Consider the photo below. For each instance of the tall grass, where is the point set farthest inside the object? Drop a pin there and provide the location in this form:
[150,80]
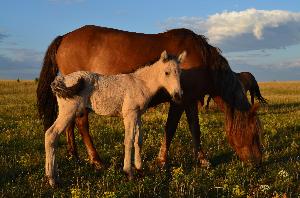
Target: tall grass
[22,153]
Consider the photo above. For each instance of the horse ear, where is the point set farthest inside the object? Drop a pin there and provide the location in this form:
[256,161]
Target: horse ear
[164,56]
[182,56]
[254,109]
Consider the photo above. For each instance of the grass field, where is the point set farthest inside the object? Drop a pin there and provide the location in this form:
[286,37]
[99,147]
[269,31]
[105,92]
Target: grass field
[22,153]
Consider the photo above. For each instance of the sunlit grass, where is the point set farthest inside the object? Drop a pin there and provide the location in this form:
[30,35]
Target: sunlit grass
[22,152]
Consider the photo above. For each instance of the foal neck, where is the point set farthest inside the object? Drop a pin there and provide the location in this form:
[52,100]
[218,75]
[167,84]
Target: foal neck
[149,75]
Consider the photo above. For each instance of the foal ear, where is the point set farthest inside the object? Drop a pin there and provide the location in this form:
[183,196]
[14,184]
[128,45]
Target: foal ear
[182,56]
[164,56]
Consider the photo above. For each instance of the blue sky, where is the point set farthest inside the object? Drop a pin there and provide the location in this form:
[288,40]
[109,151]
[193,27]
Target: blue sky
[262,37]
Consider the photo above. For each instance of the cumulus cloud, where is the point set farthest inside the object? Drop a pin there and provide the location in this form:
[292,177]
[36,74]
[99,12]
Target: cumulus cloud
[250,29]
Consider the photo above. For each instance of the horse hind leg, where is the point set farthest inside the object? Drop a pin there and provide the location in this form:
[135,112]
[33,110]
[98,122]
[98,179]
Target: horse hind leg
[82,124]
[51,137]
[71,146]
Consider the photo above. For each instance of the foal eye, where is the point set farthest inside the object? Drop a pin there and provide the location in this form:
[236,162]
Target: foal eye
[167,73]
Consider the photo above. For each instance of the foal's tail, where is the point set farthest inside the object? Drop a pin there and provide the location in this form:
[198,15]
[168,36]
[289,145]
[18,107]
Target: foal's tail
[258,94]
[46,101]
[60,89]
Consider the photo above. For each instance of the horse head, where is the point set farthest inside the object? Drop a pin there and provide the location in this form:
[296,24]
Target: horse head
[243,131]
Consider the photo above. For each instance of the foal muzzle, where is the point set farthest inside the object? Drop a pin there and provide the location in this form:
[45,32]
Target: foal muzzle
[177,96]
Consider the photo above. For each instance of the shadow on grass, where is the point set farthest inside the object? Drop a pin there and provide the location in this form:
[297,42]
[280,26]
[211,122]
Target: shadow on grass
[222,158]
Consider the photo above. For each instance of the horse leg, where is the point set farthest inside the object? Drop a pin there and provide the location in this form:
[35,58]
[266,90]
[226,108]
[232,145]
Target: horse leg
[193,121]
[130,122]
[82,124]
[138,141]
[207,102]
[51,137]
[174,115]
[71,146]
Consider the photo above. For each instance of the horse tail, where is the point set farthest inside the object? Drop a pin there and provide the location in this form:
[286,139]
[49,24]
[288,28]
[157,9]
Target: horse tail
[257,92]
[60,89]
[46,101]
[226,83]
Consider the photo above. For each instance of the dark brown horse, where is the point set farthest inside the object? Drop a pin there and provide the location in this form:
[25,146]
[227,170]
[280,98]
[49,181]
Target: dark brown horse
[205,71]
[250,84]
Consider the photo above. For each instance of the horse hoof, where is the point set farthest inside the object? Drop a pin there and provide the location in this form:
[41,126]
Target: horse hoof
[204,163]
[161,163]
[98,165]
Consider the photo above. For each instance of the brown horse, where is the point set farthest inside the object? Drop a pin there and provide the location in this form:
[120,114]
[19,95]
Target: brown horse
[204,71]
[250,84]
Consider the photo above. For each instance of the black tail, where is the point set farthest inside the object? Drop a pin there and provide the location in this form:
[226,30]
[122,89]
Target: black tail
[60,89]
[46,101]
[258,94]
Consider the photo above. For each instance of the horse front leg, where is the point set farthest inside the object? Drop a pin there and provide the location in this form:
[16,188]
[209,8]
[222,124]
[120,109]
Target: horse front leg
[174,115]
[191,111]
[82,123]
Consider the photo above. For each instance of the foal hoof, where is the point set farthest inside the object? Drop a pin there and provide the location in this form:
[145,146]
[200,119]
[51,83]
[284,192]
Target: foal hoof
[140,173]
[54,183]
[129,176]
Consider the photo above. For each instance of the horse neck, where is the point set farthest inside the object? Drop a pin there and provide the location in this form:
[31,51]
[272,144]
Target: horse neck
[149,75]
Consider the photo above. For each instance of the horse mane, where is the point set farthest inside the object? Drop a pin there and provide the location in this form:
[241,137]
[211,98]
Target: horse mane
[225,82]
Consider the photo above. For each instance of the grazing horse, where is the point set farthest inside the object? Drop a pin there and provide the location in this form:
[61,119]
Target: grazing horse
[125,95]
[250,84]
[106,51]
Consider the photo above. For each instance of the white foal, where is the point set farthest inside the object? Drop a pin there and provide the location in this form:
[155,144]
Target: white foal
[125,95]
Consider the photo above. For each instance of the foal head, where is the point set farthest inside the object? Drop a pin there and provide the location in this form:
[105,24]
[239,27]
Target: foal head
[169,74]
[243,132]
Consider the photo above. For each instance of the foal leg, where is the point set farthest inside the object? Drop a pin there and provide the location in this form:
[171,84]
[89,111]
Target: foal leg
[191,111]
[82,124]
[138,141]
[175,112]
[130,122]
[51,137]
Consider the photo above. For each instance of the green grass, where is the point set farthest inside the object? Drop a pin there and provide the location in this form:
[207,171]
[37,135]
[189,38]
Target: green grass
[22,153]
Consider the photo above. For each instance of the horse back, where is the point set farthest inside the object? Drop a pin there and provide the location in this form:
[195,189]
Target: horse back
[109,51]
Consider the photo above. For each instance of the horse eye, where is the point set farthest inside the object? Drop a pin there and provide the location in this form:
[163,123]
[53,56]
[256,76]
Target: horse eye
[167,73]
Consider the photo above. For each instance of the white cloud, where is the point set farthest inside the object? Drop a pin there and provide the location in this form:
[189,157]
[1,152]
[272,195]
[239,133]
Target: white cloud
[250,29]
